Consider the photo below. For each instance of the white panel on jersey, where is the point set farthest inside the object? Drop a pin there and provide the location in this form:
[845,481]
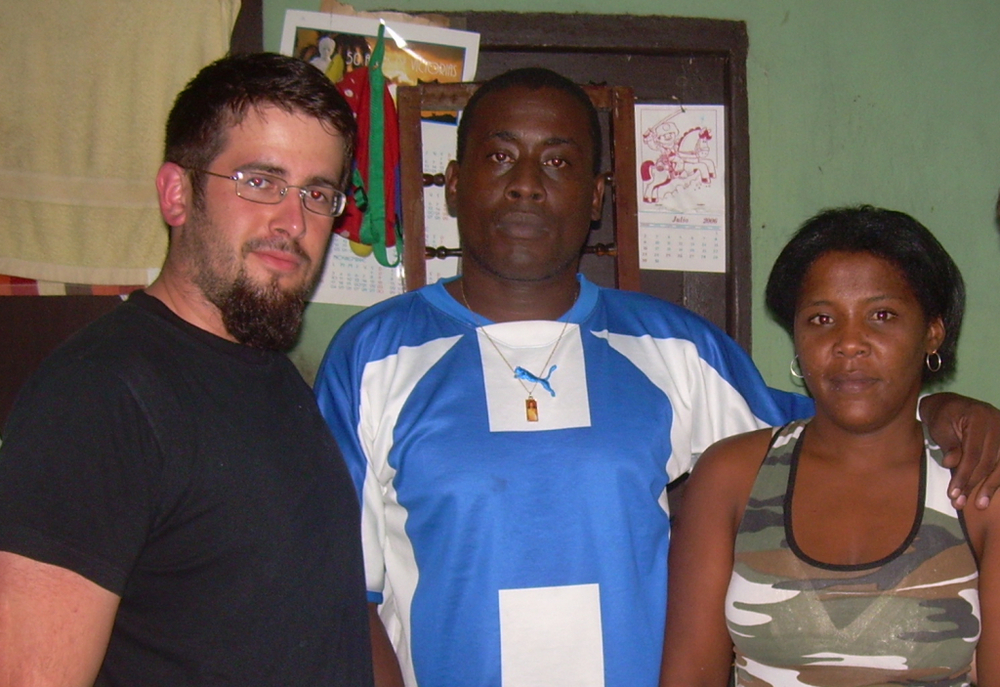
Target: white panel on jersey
[705,404]
[551,637]
[528,345]
[386,385]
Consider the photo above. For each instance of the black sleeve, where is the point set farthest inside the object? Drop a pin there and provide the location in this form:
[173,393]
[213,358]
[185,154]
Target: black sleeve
[77,469]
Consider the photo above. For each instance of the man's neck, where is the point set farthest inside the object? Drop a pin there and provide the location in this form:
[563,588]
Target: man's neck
[509,301]
[188,302]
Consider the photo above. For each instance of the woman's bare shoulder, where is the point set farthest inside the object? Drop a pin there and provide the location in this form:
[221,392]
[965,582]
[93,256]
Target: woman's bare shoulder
[744,451]
[724,475]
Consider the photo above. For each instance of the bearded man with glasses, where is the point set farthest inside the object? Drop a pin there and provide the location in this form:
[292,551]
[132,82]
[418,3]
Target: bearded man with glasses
[173,508]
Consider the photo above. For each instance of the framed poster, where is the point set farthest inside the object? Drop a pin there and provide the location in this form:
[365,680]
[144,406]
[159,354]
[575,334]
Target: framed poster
[414,53]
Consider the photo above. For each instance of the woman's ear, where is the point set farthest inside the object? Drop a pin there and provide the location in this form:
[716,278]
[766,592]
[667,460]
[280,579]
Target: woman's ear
[935,334]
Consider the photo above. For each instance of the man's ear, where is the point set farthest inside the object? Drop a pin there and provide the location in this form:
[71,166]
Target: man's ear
[173,188]
[598,203]
[451,187]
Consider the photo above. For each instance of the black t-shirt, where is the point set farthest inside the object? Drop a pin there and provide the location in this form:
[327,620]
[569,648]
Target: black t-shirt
[196,479]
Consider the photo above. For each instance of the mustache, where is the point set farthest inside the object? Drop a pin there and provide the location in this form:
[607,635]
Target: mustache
[276,243]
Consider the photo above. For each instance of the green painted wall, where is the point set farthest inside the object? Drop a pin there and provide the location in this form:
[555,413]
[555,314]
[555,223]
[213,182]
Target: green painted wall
[890,102]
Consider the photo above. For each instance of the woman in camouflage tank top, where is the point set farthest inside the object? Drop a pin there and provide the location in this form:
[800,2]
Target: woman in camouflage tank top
[824,552]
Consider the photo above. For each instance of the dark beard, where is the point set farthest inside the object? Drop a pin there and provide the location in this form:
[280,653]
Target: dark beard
[262,316]
[266,318]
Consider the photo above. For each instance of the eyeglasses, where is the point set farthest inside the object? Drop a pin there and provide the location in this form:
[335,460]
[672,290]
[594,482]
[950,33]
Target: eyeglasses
[258,187]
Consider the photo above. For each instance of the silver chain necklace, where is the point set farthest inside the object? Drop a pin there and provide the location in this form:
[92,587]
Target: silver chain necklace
[520,374]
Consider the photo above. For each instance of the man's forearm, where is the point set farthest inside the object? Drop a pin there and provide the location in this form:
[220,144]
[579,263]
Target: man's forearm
[384,661]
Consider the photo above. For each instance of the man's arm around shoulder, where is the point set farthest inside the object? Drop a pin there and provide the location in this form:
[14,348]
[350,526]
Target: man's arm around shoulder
[54,624]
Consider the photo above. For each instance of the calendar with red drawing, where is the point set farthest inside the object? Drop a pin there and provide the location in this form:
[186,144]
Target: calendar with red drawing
[680,170]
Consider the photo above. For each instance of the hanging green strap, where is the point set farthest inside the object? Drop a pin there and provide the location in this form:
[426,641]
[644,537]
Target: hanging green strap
[373,224]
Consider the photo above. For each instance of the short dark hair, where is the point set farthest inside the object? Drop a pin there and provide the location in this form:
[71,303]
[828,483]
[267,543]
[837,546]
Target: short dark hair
[887,234]
[531,78]
[222,94]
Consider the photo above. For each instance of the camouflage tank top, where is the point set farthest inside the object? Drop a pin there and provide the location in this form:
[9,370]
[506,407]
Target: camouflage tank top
[911,618]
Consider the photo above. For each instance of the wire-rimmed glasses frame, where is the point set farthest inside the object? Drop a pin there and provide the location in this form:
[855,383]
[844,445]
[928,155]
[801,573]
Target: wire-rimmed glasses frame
[268,189]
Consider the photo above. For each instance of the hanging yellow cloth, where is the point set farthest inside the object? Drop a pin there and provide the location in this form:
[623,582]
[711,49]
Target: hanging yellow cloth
[85,88]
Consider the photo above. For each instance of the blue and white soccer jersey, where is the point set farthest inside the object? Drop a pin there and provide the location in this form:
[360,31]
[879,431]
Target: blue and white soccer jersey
[509,552]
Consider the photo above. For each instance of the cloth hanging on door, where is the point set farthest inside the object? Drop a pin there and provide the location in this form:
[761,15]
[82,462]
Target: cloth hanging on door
[373,212]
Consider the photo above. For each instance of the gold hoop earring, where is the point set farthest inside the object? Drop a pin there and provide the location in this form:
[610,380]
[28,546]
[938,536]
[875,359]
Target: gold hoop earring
[933,361]
[791,368]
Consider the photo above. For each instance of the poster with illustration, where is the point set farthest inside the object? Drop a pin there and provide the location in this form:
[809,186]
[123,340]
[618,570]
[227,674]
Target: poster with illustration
[680,170]
[414,53]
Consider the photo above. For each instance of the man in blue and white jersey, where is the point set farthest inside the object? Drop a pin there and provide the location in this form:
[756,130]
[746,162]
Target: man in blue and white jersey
[511,432]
